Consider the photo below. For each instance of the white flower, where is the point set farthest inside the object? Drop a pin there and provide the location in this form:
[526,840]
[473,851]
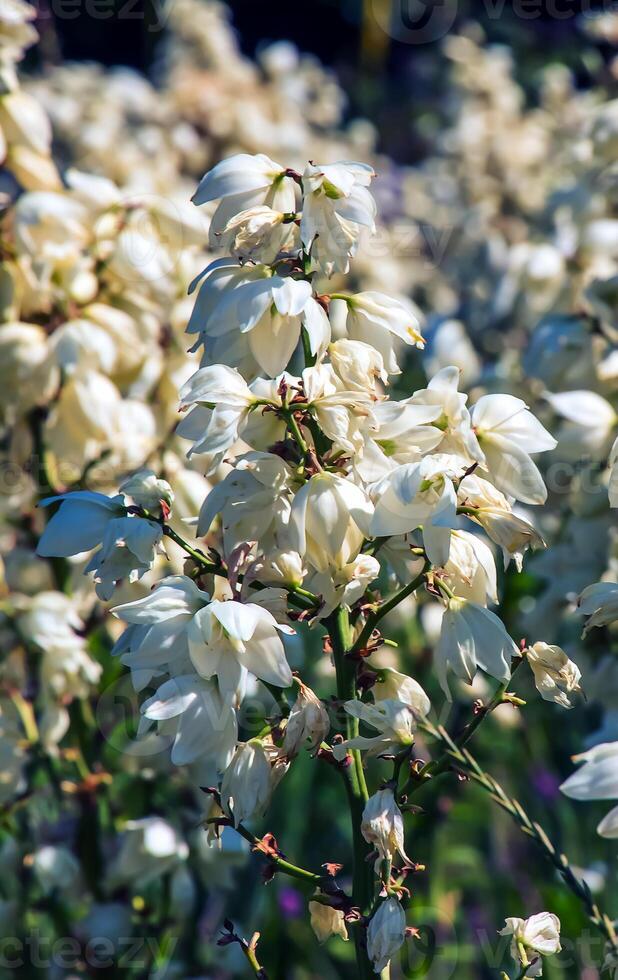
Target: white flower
[590,420]
[226,639]
[345,585]
[224,400]
[324,521]
[16,33]
[55,867]
[216,282]
[241,182]
[127,551]
[357,364]
[418,494]
[191,711]
[452,417]
[336,206]
[507,433]
[450,344]
[555,675]
[79,523]
[472,637]
[339,413]
[150,847]
[597,780]
[52,227]
[51,618]
[28,374]
[247,782]
[386,933]
[394,720]
[85,419]
[279,567]
[492,511]
[382,826]
[600,603]
[532,938]
[395,686]
[327,921]
[66,670]
[396,433]
[257,234]
[375,319]
[308,721]
[269,313]
[84,520]
[157,633]
[253,502]
[471,570]
[150,492]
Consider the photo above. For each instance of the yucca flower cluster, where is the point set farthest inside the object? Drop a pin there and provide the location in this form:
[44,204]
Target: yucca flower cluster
[331,483]
[282,484]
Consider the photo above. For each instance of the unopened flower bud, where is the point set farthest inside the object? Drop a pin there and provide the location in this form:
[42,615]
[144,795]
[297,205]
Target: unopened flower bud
[308,722]
[358,364]
[555,675]
[247,783]
[257,233]
[284,567]
[386,933]
[149,492]
[382,826]
[360,573]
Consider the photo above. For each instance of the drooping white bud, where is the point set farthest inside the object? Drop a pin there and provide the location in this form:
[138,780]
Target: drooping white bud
[247,782]
[382,826]
[149,492]
[386,933]
[555,675]
[308,722]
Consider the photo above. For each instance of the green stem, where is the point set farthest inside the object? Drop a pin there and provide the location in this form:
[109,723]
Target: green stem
[471,768]
[355,784]
[374,618]
[307,354]
[252,959]
[294,428]
[301,598]
[286,867]
[432,769]
[205,564]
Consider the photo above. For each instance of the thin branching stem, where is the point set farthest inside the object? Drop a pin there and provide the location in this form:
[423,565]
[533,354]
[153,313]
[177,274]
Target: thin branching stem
[463,761]
[299,597]
[383,610]
[437,766]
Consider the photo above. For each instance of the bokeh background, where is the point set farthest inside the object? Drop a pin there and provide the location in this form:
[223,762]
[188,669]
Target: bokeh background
[477,117]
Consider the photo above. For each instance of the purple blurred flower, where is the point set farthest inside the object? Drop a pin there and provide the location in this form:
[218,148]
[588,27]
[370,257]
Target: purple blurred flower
[290,902]
[546,784]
